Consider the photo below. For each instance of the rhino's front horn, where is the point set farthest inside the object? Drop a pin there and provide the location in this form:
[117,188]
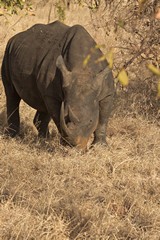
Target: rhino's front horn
[63,125]
[66,74]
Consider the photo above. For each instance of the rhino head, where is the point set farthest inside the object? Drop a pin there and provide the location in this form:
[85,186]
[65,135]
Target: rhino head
[79,113]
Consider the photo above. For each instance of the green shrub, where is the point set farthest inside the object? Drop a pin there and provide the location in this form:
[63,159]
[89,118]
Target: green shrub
[12,5]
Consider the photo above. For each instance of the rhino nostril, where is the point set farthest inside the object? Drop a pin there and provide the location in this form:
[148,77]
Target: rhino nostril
[68,122]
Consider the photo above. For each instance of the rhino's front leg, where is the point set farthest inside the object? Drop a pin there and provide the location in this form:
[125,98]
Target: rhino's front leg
[105,108]
[41,121]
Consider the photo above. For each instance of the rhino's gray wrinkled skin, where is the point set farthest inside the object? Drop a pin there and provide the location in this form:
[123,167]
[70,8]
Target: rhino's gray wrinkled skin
[44,66]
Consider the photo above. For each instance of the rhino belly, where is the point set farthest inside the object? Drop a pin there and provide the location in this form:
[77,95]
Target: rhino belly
[28,91]
[33,100]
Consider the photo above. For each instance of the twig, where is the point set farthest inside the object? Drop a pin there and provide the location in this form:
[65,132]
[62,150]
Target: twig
[49,14]
[11,27]
[16,22]
[132,59]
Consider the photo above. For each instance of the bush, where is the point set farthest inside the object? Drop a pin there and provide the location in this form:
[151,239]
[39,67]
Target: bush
[12,5]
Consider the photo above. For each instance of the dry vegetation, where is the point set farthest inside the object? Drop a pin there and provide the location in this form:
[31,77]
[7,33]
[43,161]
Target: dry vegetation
[48,191]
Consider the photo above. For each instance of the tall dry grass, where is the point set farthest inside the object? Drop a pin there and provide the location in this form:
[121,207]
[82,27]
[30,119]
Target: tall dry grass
[52,192]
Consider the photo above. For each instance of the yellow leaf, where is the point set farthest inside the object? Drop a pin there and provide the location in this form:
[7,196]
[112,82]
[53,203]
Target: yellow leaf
[98,46]
[158,88]
[110,58]
[142,1]
[86,60]
[102,58]
[123,77]
[153,69]
[1,12]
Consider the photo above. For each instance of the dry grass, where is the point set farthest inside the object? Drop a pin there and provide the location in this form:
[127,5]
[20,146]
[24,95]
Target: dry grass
[51,192]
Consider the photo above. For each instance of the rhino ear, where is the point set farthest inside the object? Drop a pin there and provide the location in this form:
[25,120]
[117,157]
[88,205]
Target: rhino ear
[102,75]
[66,74]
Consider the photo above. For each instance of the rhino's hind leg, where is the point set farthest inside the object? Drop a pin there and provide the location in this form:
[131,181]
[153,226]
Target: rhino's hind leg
[105,108]
[13,118]
[12,100]
[41,121]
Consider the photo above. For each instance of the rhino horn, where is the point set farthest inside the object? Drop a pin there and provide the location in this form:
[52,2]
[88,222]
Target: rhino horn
[62,122]
[72,116]
[62,67]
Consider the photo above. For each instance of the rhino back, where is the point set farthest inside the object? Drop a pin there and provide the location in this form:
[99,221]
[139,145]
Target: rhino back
[31,47]
[30,54]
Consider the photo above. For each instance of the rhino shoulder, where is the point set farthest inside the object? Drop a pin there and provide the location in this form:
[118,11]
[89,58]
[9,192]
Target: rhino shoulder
[78,28]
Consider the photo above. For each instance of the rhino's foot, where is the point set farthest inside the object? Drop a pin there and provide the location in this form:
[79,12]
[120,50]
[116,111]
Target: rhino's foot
[10,132]
[63,142]
[100,135]
[101,141]
[44,134]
